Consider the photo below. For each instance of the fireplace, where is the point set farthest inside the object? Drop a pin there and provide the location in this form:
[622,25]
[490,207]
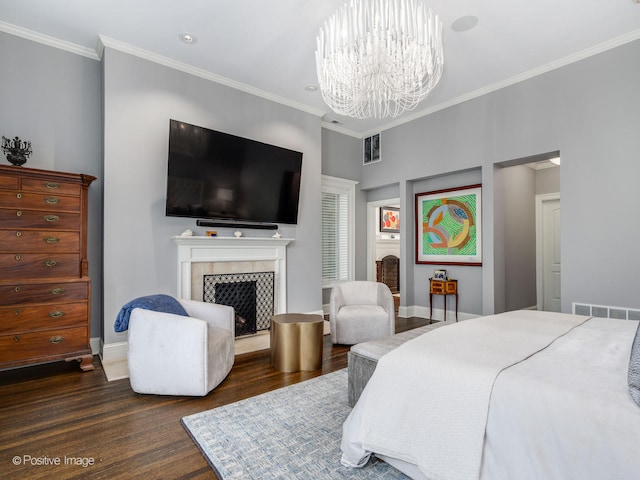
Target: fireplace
[251,294]
[231,259]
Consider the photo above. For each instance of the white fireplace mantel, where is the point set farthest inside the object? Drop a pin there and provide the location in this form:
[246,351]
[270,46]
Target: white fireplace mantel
[192,249]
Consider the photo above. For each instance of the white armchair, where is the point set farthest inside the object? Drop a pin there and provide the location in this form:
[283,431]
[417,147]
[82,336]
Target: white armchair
[361,311]
[177,355]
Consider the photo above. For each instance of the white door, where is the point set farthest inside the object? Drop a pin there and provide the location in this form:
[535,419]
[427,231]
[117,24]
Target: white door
[551,271]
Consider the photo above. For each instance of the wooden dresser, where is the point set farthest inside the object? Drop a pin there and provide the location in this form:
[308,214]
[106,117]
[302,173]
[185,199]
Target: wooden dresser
[45,289]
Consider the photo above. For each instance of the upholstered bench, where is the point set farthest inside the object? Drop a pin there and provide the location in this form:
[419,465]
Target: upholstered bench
[364,357]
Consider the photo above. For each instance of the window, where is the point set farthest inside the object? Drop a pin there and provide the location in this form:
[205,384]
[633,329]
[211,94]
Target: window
[338,232]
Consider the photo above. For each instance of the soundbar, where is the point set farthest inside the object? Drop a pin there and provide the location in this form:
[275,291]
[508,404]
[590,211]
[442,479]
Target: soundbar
[232,224]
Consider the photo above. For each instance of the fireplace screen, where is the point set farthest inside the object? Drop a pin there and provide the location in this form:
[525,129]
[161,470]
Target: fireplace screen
[250,294]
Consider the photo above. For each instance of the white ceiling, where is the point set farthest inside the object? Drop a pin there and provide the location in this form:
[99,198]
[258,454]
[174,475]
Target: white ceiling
[267,47]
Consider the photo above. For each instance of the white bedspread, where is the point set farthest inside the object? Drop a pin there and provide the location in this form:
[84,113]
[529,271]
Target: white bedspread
[566,413]
[428,400]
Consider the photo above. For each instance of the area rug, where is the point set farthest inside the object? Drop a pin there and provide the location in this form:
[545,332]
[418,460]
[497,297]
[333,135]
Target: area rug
[291,433]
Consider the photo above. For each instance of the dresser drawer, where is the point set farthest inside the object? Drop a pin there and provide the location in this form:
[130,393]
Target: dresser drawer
[16,218]
[39,265]
[50,186]
[26,241]
[19,319]
[42,344]
[9,182]
[51,201]
[437,287]
[22,293]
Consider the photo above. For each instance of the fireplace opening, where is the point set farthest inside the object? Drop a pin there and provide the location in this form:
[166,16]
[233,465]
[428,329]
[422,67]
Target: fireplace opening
[242,297]
[250,294]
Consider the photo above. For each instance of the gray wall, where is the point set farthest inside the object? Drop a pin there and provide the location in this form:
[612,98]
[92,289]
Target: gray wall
[588,111]
[342,158]
[52,98]
[139,256]
[519,237]
[548,180]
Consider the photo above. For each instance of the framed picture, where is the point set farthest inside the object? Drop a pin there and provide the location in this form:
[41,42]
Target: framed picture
[439,274]
[372,149]
[389,220]
[449,226]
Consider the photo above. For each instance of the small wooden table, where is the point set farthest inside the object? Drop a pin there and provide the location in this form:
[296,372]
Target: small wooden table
[296,342]
[442,287]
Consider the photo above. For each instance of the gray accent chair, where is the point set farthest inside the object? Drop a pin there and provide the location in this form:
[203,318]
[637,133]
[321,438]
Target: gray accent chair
[177,355]
[360,311]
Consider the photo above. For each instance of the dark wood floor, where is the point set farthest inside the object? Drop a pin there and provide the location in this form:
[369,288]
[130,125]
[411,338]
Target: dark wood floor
[53,411]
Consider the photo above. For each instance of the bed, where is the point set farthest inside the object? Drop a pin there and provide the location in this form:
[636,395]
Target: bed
[524,394]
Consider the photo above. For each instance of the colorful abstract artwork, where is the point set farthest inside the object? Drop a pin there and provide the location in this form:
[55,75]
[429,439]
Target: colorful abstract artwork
[448,226]
[389,220]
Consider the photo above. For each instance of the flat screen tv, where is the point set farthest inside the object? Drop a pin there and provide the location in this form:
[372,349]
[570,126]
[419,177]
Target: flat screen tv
[218,176]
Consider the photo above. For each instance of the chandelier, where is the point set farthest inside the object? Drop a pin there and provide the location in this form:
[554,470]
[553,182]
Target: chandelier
[379,58]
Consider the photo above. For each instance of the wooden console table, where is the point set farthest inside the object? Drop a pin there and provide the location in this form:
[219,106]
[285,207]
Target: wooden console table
[442,287]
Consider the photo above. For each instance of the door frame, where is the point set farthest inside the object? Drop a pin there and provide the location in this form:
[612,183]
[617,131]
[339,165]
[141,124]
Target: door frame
[371,233]
[540,200]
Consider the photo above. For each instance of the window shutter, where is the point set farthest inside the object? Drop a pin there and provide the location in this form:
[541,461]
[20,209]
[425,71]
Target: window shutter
[335,237]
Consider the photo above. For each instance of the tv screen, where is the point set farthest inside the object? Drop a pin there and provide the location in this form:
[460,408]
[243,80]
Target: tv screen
[215,175]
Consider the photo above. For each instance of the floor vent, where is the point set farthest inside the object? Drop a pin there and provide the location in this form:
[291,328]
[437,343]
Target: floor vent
[603,311]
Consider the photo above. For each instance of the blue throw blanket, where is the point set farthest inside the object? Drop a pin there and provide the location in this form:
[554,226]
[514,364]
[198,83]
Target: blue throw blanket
[157,303]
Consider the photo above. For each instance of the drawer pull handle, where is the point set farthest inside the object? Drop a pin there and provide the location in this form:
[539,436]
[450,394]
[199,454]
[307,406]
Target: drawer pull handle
[52,185]
[16,338]
[19,213]
[56,339]
[56,291]
[18,234]
[52,200]
[18,195]
[16,312]
[50,263]
[17,289]
[51,240]
[18,258]
[51,218]
[56,314]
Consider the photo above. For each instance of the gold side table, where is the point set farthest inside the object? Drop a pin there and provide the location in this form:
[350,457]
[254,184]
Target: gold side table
[296,342]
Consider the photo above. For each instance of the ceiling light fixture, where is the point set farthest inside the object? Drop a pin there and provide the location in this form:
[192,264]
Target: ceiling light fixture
[379,58]
[555,161]
[188,38]
[463,24]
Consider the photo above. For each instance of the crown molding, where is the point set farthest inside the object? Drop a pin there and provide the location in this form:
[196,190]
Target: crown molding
[47,40]
[345,131]
[589,52]
[104,41]
[107,42]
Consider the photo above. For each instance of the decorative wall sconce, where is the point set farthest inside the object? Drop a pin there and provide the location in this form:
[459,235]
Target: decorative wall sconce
[16,150]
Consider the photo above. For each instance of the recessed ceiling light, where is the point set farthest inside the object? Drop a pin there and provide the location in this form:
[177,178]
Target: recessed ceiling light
[188,38]
[311,88]
[462,24]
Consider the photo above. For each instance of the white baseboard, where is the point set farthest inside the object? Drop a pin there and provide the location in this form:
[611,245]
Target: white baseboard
[95,343]
[423,312]
[113,352]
